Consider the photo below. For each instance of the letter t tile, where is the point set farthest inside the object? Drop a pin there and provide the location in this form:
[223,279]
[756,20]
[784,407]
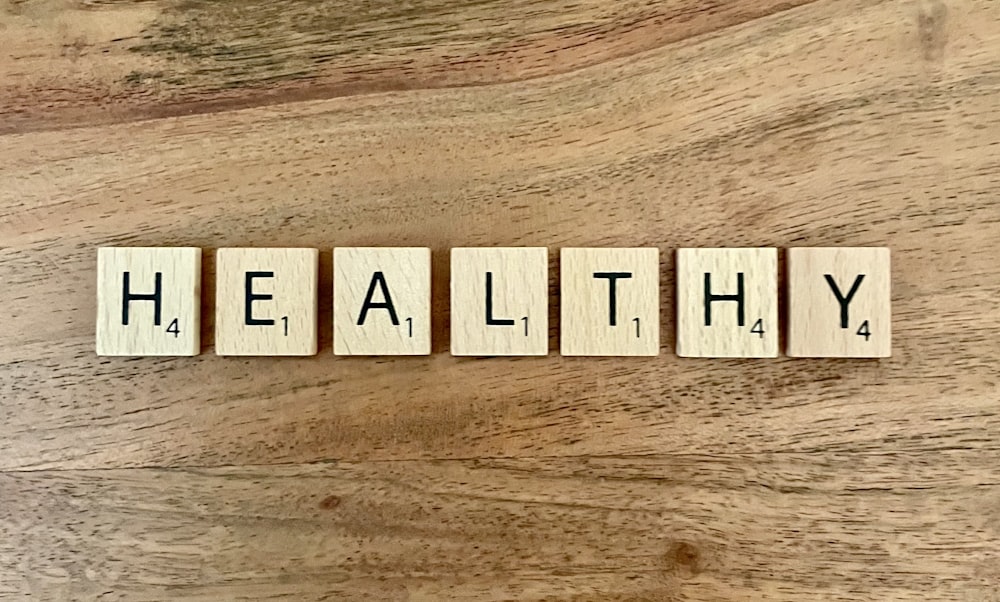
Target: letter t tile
[610,301]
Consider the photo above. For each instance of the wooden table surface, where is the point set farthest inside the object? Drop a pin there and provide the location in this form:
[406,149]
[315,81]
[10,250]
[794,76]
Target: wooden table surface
[521,122]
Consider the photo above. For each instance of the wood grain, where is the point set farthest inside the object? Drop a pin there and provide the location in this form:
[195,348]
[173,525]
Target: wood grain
[102,61]
[594,123]
[781,527]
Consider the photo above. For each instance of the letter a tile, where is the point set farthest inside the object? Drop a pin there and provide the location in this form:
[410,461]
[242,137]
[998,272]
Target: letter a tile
[266,301]
[381,301]
[727,302]
[499,301]
[148,301]
[610,301]
[839,302]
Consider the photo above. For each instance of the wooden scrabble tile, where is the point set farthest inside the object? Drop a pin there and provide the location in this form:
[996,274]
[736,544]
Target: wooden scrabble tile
[148,301]
[266,301]
[381,301]
[727,302]
[839,302]
[610,301]
[499,301]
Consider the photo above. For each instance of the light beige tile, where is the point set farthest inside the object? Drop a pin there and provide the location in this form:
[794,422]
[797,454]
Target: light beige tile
[266,301]
[710,326]
[499,301]
[839,302]
[609,301]
[381,301]
[148,301]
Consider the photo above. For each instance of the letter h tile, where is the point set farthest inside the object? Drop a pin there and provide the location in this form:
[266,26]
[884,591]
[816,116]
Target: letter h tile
[148,301]
[727,302]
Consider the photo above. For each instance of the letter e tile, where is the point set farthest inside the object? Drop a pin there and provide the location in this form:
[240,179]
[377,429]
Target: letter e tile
[266,301]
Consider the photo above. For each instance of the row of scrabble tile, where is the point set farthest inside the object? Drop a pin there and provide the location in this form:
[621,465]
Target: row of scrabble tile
[727,301]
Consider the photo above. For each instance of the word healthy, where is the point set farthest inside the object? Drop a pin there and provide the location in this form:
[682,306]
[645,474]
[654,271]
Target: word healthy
[837,305]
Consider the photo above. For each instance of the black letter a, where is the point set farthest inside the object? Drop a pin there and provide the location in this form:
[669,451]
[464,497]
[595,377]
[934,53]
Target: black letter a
[378,278]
